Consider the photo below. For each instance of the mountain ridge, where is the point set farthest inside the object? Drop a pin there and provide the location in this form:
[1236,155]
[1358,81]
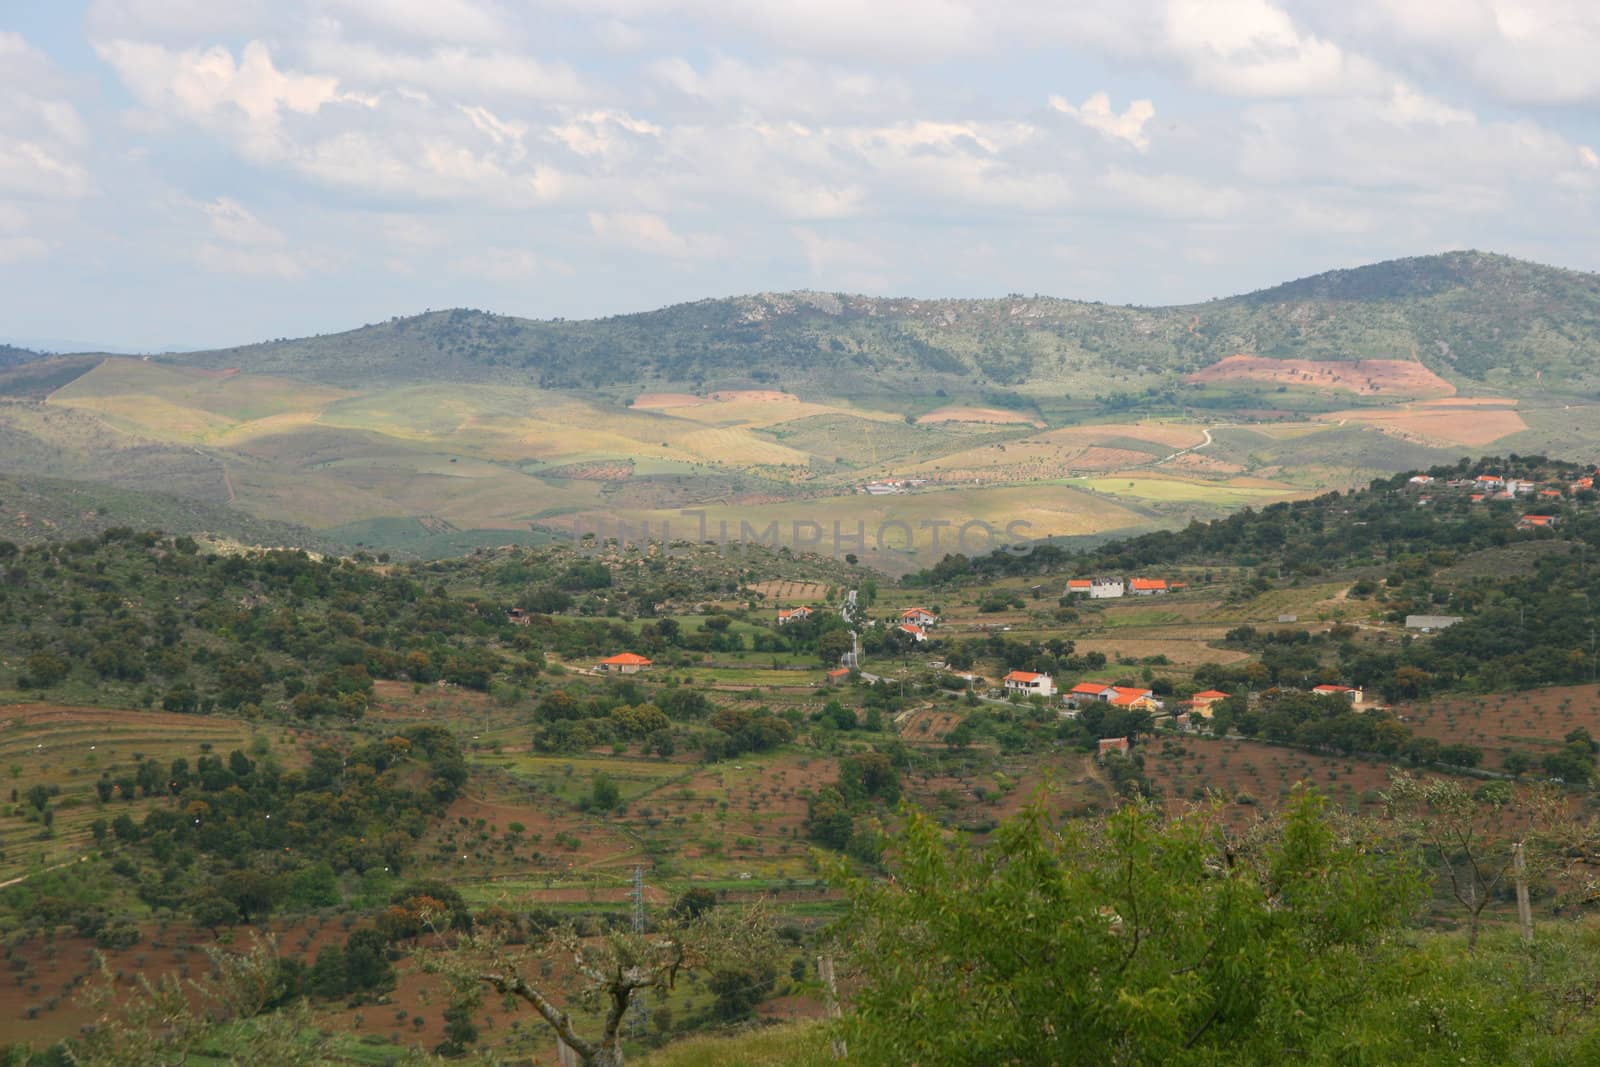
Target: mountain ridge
[1479,317]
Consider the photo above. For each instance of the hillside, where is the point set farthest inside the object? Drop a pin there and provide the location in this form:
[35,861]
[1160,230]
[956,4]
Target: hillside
[333,751]
[11,355]
[55,509]
[1468,315]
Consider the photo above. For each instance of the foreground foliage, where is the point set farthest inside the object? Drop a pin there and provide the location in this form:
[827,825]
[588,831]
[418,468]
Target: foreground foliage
[1142,941]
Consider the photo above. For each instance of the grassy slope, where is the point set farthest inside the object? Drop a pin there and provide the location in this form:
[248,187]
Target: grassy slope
[39,509]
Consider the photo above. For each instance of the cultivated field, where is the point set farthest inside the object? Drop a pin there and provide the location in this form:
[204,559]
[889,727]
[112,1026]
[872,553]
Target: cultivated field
[1474,425]
[1367,377]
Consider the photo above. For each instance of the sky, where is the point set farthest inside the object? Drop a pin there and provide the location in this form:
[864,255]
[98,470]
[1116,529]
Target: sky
[190,173]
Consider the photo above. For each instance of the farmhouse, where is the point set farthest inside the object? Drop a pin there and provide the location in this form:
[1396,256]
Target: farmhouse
[1134,699]
[1536,522]
[1122,696]
[918,617]
[1029,683]
[623,663]
[1147,586]
[838,676]
[1338,691]
[1084,692]
[788,615]
[916,633]
[1430,623]
[1105,588]
[1200,703]
[1489,481]
[1081,586]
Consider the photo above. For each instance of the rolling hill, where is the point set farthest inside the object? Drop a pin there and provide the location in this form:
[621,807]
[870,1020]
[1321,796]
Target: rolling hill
[1469,316]
[11,355]
[458,428]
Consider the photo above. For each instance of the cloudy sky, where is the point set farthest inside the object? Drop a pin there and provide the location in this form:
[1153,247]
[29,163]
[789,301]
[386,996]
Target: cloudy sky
[196,172]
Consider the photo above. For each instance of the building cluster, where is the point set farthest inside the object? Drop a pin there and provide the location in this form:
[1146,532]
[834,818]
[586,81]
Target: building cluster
[1112,587]
[1489,487]
[915,623]
[890,486]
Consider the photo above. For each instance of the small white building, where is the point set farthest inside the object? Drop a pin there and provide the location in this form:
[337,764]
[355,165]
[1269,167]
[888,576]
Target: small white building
[1106,588]
[1430,623]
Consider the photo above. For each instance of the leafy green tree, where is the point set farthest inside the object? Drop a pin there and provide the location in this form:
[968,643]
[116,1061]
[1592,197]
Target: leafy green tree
[42,670]
[1137,940]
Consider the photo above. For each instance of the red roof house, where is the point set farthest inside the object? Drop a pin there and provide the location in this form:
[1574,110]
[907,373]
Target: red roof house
[624,663]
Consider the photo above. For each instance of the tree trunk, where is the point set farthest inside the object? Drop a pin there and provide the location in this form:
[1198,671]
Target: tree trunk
[1524,909]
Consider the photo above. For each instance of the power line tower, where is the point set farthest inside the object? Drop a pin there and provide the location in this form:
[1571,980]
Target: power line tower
[640,1013]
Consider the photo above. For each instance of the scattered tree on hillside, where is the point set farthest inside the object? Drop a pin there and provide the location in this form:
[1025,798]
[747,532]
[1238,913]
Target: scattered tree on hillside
[1455,826]
[612,969]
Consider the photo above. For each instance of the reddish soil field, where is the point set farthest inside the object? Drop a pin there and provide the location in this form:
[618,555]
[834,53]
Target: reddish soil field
[1533,721]
[989,415]
[1453,425]
[1185,767]
[1367,377]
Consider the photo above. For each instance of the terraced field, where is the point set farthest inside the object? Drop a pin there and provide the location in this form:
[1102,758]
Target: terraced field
[49,744]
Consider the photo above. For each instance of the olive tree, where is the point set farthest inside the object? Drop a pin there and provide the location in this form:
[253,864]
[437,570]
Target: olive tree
[608,971]
[1474,835]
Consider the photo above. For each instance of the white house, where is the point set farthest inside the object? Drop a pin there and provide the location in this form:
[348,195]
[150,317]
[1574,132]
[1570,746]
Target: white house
[918,617]
[1355,695]
[1106,588]
[916,633]
[1029,683]
[788,615]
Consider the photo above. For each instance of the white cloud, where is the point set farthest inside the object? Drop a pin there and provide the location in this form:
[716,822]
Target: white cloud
[649,233]
[241,243]
[454,71]
[186,19]
[248,98]
[786,87]
[1253,48]
[498,264]
[234,223]
[468,21]
[604,133]
[1096,113]
[1522,51]
[42,137]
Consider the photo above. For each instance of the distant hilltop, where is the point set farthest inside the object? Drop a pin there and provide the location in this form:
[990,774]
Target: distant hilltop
[1463,316]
